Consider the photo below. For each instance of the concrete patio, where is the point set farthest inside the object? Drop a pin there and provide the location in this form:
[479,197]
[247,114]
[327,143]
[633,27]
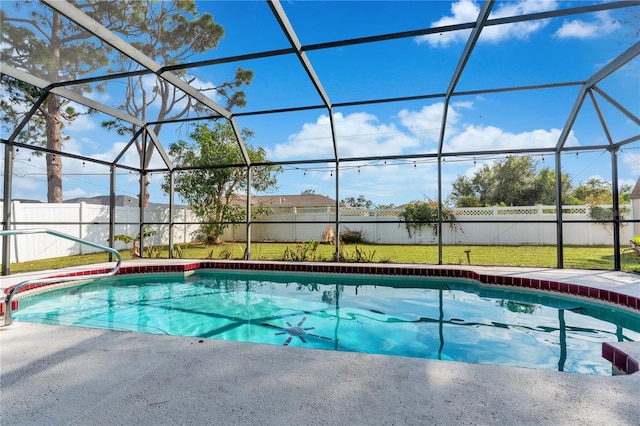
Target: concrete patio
[54,375]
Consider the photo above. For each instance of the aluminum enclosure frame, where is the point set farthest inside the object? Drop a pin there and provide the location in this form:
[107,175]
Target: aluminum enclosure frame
[586,93]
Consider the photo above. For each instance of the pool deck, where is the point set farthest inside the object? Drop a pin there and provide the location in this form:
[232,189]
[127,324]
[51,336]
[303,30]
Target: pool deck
[53,375]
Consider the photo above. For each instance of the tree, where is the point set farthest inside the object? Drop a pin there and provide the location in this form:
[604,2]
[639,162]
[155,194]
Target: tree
[40,42]
[308,191]
[514,182]
[360,202]
[594,190]
[169,32]
[210,186]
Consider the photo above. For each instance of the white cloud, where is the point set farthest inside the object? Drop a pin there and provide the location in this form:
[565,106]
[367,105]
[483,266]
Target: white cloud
[478,138]
[426,123]
[130,158]
[80,123]
[464,11]
[358,134]
[631,161]
[603,25]
[77,193]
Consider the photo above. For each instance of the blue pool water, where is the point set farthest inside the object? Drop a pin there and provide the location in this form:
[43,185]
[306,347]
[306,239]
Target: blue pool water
[416,317]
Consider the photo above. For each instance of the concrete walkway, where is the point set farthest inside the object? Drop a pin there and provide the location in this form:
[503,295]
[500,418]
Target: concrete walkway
[54,375]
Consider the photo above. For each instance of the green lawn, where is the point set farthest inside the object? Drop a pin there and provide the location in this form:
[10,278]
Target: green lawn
[583,257]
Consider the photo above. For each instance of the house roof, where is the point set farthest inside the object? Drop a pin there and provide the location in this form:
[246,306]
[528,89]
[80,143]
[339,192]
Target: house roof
[121,200]
[312,200]
[285,200]
[635,193]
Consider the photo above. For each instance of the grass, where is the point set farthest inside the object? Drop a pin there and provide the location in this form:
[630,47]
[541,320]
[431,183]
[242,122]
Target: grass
[580,257]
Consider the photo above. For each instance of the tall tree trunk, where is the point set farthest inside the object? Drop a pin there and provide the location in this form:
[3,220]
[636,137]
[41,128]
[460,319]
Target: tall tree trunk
[54,119]
[54,142]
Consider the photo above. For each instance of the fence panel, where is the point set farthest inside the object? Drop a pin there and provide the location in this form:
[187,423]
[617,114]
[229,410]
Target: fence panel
[511,226]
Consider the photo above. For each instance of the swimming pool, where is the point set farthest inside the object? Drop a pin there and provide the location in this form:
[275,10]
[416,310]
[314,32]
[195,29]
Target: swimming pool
[448,319]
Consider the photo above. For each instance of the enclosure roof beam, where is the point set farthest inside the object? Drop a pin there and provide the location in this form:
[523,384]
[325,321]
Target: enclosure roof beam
[241,144]
[46,150]
[286,26]
[628,140]
[124,150]
[631,116]
[613,66]
[163,154]
[617,63]
[67,94]
[288,30]
[603,122]
[483,16]
[127,49]
[130,51]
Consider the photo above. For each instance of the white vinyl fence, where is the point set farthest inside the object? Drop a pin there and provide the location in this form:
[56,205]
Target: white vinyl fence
[511,227]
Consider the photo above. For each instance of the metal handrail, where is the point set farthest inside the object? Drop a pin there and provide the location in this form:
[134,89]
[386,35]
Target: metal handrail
[17,287]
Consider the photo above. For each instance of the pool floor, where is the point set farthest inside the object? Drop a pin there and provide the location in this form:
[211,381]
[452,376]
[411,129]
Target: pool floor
[425,318]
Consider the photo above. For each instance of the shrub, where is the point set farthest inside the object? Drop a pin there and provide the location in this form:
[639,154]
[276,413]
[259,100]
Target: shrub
[419,214]
[349,236]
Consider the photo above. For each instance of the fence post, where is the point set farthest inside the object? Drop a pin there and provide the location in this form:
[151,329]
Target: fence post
[80,225]
[14,218]
[540,226]
[496,225]
[294,210]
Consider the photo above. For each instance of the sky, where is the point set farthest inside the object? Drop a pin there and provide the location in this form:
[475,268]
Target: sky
[563,49]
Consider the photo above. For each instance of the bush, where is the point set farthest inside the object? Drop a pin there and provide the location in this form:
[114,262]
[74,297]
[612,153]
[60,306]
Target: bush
[418,214]
[349,236]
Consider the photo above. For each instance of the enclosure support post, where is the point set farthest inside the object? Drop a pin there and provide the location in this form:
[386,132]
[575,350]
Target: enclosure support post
[335,151]
[559,234]
[141,195]
[616,209]
[9,152]
[247,252]
[440,203]
[171,205]
[112,211]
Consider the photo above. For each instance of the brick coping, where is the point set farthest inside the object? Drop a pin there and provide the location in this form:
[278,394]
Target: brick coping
[617,356]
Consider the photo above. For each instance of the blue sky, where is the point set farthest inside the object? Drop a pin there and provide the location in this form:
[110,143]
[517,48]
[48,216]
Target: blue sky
[563,49]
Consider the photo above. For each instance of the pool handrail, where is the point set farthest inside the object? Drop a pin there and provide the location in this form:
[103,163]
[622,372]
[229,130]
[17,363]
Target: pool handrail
[7,320]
